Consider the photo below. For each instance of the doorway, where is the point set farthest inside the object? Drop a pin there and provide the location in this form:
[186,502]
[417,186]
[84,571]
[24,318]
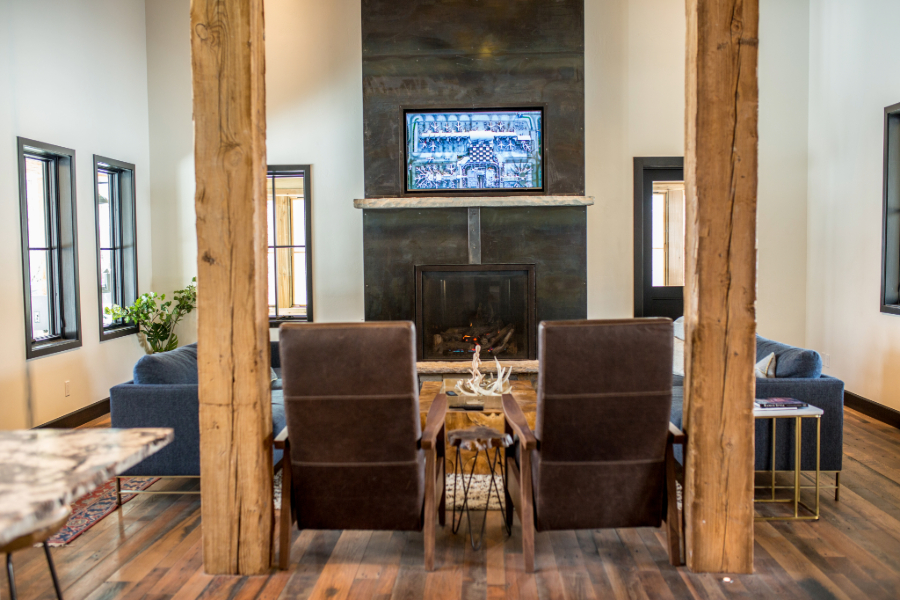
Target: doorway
[659,222]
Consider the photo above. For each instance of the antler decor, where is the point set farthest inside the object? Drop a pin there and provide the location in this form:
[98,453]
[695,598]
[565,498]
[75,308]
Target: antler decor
[477,385]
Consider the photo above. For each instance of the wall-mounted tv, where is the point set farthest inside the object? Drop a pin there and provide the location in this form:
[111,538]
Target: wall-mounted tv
[474,150]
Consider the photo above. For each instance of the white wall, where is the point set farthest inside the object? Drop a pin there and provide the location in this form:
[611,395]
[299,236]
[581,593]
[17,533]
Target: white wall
[172,150]
[74,75]
[854,50]
[634,98]
[782,194]
[314,116]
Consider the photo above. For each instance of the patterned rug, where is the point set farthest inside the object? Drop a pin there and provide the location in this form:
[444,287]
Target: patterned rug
[90,509]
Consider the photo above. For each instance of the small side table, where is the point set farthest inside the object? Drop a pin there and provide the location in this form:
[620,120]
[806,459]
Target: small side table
[478,439]
[798,414]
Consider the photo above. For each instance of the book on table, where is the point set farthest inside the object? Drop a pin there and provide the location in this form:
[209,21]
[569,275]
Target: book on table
[778,403]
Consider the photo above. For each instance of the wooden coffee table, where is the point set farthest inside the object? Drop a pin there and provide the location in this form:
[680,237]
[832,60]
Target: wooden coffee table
[491,416]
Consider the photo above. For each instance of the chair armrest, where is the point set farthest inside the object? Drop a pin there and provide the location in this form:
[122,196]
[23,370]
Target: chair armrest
[281,439]
[677,435]
[516,419]
[434,422]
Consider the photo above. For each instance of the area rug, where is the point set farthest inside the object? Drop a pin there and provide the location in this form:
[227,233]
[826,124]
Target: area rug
[90,509]
[478,492]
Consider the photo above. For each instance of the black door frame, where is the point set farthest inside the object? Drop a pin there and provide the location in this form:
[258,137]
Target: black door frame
[642,164]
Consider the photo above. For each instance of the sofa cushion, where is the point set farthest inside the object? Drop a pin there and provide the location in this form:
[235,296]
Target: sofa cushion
[176,367]
[790,361]
[279,421]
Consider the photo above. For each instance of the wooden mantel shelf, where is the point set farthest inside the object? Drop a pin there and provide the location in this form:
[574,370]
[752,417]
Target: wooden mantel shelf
[472,202]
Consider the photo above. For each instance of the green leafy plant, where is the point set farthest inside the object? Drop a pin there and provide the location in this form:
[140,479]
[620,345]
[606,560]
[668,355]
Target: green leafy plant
[157,317]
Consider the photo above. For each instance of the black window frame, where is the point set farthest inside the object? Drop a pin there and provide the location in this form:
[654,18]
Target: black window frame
[64,295]
[890,220]
[286,171]
[123,243]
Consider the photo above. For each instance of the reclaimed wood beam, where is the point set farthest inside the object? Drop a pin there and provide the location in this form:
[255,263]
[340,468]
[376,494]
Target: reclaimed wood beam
[228,60]
[720,291]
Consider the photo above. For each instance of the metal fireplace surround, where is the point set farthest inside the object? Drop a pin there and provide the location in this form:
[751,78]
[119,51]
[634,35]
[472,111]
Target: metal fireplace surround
[458,306]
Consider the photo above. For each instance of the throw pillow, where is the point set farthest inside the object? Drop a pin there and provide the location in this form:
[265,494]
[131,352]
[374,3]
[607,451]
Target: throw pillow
[678,327]
[678,357]
[766,367]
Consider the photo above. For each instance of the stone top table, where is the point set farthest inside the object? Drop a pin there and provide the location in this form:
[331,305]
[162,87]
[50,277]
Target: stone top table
[42,470]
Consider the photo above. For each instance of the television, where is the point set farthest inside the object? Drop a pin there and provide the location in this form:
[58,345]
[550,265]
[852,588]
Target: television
[474,150]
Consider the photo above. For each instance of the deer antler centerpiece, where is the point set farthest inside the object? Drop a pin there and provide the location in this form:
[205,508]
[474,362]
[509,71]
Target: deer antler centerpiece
[478,385]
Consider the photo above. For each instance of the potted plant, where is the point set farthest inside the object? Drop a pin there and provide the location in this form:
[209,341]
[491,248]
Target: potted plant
[157,317]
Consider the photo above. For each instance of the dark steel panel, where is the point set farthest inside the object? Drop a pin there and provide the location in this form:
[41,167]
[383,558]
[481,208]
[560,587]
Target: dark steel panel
[484,27]
[472,53]
[554,239]
[394,242]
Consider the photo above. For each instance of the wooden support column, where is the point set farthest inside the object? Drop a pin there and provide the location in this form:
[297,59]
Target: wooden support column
[720,291]
[228,58]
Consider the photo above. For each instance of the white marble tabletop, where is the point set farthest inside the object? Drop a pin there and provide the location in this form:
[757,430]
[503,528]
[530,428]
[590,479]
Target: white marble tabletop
[44,469]
[769,413]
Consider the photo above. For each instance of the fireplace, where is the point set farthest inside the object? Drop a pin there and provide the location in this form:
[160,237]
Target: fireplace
[461,306]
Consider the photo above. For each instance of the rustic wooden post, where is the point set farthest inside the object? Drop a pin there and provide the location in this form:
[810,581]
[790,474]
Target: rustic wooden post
[720,292]
[228,58]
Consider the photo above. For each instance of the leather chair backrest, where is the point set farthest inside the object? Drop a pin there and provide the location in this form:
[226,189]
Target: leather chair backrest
[603,403]
[352,407]
[351,391]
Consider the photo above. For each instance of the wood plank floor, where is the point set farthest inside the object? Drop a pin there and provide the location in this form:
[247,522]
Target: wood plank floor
[151,550]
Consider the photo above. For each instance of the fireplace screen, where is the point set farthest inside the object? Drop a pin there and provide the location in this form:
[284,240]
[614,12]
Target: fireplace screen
[459,307]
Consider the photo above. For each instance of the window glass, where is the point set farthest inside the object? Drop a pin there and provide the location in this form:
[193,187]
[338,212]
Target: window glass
[50,250]
[116,247]
[37,194]
[286,212]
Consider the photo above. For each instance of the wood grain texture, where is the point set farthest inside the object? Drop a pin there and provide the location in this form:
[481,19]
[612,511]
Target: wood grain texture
[151,550]
[720,291]
[227,54]
[492,416]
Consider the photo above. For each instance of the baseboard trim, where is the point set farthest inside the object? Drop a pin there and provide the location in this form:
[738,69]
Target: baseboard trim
[78,417]
[877,411]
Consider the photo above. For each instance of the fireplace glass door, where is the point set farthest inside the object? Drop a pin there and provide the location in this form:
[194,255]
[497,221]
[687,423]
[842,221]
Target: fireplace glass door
[462,307]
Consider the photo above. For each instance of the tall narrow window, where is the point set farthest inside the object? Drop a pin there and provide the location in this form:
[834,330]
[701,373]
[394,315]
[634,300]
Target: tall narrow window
[290,257]
[116,247]
[49,248]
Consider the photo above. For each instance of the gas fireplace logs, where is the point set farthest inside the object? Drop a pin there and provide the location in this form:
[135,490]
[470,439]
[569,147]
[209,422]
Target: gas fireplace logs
[490,339]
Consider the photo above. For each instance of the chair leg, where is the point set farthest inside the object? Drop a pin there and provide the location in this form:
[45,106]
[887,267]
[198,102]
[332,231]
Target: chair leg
[673,515]
[429,516]
[284,549]
[442,506]
[527,508]
[837,486]
[11,576]
[52,571]
[118,492]
[442,473]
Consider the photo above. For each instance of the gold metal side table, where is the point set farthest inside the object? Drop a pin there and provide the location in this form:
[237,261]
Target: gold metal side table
[798,414]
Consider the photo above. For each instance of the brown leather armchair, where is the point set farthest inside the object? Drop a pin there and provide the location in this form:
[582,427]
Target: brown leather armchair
[358,458]
[601,453]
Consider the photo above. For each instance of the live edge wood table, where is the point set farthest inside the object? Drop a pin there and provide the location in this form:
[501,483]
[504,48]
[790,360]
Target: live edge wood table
[43,470]
[491,416]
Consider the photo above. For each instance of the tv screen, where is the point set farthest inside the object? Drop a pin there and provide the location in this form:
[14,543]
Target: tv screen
[484,149]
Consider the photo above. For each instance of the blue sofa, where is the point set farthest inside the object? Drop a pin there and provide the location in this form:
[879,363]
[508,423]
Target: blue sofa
[798,374]
[164,393]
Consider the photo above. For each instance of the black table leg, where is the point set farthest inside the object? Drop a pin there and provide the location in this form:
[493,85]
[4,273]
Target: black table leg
[52,571]
[11,576]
